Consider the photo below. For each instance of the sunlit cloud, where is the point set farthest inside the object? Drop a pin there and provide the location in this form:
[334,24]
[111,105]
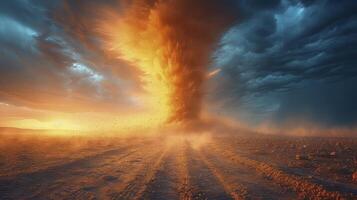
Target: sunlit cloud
[145,63]
[82,69]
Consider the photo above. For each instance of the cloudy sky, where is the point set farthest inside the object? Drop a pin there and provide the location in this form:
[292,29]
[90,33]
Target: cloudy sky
[281,62]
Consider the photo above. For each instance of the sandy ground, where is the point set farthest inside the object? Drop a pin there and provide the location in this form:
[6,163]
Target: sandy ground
[176,167]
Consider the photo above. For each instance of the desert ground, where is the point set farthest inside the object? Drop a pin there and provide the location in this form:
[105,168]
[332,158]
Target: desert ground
[192,166]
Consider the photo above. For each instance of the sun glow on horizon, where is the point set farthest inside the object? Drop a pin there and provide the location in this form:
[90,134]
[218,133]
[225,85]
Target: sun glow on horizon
[169,52]
[56,124]
[29,118]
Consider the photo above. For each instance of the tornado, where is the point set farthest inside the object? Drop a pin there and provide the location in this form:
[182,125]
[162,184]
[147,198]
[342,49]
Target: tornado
[170,42]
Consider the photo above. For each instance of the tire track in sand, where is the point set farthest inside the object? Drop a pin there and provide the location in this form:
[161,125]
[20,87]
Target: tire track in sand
[304,188]
[236,190]
[135,183]
[39,183]
[240,181]
[184,188]
[172,181]
[204,183]
[97,180]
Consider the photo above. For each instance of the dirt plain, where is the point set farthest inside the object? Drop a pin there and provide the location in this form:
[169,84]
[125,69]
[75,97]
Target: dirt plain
[194,166]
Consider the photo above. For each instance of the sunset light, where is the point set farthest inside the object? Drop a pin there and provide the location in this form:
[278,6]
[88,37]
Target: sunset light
[178,99]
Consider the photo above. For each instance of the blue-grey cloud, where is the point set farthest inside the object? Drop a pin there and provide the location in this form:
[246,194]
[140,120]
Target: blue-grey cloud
[282,60]
[44,66]
[294,60]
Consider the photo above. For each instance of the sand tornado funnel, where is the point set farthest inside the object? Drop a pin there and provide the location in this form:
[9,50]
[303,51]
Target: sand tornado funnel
[171,43]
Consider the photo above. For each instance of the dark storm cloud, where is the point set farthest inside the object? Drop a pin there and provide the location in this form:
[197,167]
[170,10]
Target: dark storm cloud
[332,103]
[282,60]
[44,66]
[290,60]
